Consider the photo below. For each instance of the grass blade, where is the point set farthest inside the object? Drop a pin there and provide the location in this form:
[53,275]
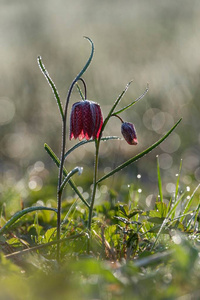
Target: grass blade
[189,202]
[178,179]
[72,207]
[140,155]
[197,213]
[71,182]
[159,180]
[170,213]
[21,213]
[175,205]
[45,245]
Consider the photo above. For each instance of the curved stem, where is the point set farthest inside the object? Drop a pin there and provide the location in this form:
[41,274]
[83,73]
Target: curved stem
[85,87]
[118,117]
[97,144]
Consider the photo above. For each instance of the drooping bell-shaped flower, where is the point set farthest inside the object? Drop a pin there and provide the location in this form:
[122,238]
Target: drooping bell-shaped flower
[85,120]
[129,133]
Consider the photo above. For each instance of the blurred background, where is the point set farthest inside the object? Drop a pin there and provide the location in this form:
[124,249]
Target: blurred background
[155,42]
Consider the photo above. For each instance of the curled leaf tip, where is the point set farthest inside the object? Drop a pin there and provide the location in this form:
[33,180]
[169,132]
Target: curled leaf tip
[80,170]
[91,42]
[128,84]
[86,37]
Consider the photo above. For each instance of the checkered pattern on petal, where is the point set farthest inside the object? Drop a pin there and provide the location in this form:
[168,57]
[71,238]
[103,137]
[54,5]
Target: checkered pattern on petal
[85,120]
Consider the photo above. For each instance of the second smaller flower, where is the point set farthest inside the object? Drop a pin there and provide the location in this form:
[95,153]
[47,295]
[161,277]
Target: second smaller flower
[129,133]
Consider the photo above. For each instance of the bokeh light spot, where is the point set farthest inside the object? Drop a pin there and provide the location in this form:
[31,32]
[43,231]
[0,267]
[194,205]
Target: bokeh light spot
[149,200]
[171,144]
[170,187]
[39,166]
[7,111]
[158,121]
[165,161]
[35,183]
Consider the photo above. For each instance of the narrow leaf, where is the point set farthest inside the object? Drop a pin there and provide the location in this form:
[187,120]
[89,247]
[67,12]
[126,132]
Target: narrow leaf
[21,213]
[189,202]
[71,237]
[71,182]
[159,180]
[166,220]
[132,103]
[140,155]
[113,107]
[177,182]
[173,208]
[153,259]
[72,207]
[90,141]
[52,85]
[69,175]
[197,213]
[88,62]
[80,91]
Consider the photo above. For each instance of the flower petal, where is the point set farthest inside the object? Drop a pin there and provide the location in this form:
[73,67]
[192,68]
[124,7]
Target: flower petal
[88,124]
[97,119]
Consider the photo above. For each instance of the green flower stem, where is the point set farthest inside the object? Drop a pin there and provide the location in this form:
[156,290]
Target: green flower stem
[62,158]
[97,144]
[83,97]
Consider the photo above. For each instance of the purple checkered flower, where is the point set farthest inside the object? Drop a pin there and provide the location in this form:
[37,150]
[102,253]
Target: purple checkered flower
[85,120]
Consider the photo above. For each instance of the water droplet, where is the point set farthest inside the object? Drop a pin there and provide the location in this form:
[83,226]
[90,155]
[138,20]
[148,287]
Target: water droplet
[139,190]
[139,176]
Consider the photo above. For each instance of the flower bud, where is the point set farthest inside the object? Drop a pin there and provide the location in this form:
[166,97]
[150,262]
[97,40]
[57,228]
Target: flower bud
[129,133]
[85,120]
